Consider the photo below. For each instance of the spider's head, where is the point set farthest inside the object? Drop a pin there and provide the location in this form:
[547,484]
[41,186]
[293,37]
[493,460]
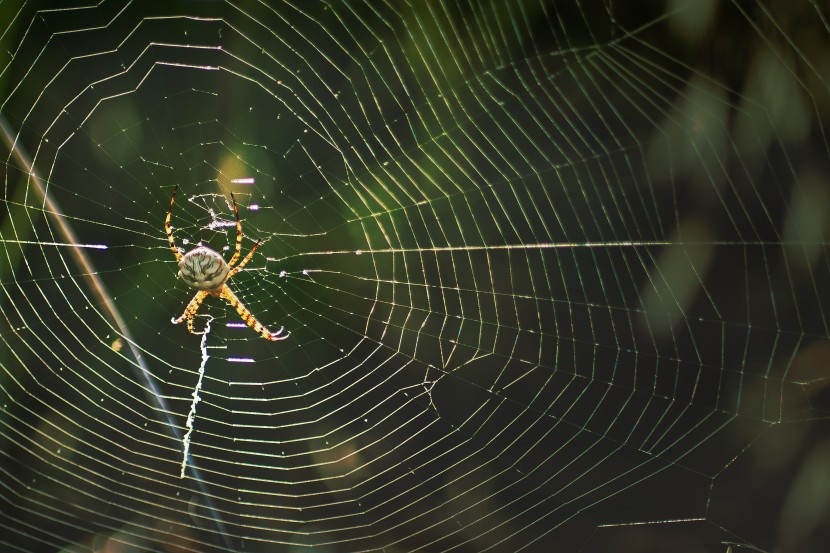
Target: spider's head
[203,269]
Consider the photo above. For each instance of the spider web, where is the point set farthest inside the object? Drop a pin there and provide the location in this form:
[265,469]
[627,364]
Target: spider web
[555,276]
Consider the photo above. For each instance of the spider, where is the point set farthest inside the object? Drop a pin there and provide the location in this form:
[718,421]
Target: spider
[205,270]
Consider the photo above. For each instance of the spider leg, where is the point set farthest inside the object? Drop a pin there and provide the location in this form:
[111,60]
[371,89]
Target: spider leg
[238,250]
[169,229]
[191,309]
[244,261]
[249,319]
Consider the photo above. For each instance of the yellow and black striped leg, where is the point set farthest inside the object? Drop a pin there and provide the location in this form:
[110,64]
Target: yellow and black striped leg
[238,249]
[249,319]
[191,309]
[169,228]
[244,261]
